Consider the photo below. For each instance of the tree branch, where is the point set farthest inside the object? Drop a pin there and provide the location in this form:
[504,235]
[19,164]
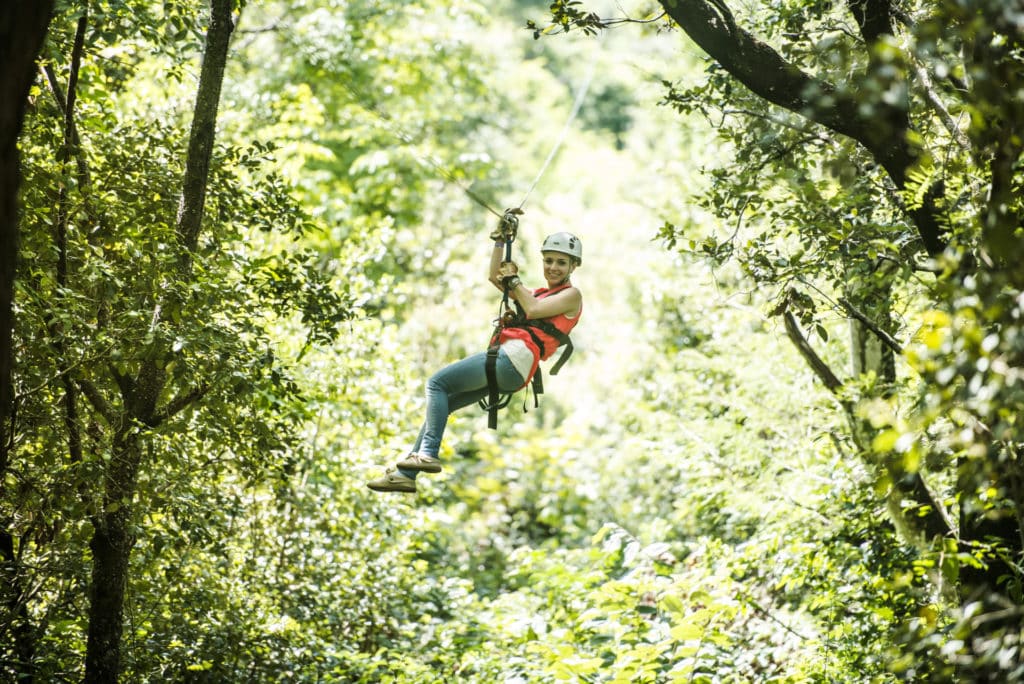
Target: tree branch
[70,129]
[178,404]
[68,152]
[123,380]
[61,373]
[871,325]
[204,125]
[925,79]
[98,402]
[768,75]
[929,520]
[874,17]
[820,368]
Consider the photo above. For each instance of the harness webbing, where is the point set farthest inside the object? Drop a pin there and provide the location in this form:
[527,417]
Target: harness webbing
[550,329]
[495,401]
[510,224]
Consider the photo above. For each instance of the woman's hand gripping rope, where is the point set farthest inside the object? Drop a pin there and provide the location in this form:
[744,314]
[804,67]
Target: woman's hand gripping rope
[508,226]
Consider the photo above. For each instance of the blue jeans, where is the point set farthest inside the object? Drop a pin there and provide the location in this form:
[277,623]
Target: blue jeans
[463,383]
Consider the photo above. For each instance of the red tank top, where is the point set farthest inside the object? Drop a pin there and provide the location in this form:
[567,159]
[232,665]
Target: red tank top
[549,343]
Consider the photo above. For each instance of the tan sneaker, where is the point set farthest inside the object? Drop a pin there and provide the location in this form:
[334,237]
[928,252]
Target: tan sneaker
[393,481]
[421,462]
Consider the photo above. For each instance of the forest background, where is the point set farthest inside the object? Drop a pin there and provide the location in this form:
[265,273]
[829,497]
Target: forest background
[786,448]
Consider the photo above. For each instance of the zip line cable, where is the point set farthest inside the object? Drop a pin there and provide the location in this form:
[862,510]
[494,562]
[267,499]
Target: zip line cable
[581,94]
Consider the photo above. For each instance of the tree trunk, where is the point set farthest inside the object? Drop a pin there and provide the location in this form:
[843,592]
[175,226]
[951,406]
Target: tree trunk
[991,610]
[111,546]
[23,26]
[868,352]
[112,540]
[872,352]
[928,520]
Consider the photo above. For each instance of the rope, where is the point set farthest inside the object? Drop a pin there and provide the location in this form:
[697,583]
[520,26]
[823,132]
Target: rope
[454,181]
[581,93]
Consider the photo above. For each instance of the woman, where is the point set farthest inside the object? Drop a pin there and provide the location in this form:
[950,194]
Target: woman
[465,382]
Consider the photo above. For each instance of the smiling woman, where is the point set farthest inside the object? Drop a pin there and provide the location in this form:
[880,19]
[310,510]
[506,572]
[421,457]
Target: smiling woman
[545,317]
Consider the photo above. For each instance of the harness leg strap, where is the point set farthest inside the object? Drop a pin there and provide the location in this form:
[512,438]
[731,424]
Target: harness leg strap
[492,387]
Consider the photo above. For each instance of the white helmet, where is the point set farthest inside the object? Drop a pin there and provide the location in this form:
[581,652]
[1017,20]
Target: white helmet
[566,243]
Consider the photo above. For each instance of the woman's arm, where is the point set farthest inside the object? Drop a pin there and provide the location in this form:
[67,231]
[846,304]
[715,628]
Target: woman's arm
[568,302]
[497,256]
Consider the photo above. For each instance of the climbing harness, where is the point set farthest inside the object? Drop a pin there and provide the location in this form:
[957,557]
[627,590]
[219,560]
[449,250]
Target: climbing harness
[516,318]
[509,226]
[495,401]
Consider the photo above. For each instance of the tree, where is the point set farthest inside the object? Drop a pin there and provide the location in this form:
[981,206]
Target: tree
[130,388]
[160,339]
[23,26]
[142,388]
[877,152]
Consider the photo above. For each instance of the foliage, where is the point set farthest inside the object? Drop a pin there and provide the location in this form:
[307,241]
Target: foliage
[379,115]
[102,294]
[815,209]
[686,503]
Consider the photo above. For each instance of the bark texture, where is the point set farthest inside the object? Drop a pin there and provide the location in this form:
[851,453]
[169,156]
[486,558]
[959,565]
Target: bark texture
[23,26]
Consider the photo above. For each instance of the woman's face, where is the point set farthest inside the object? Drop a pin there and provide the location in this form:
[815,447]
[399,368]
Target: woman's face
[557,267]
